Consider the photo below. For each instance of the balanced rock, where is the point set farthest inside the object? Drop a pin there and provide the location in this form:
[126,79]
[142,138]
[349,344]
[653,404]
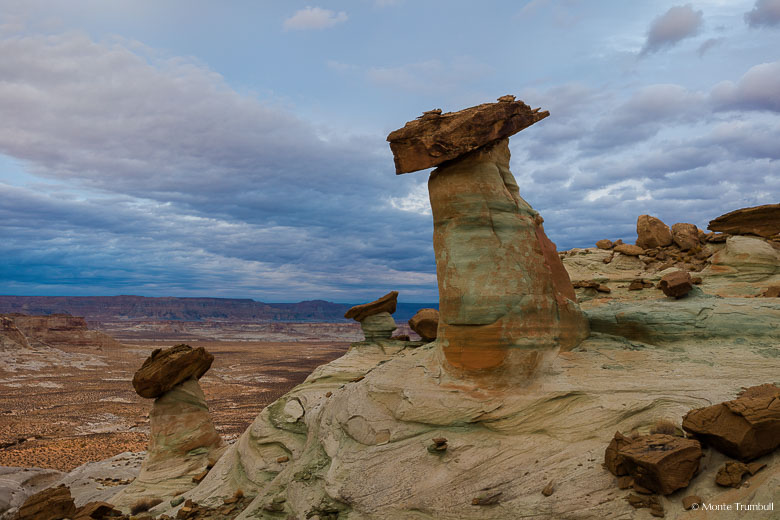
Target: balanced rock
[676,284]
[763,221]
[430,141]
[425,323]
[629,249]
[686,236]
[49,504]
[659,462]
[386,303]
[745,428]
[504,296]
[652,232]
[165,369]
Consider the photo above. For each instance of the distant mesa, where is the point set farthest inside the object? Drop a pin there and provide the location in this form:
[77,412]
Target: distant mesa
[763,221]
[436,138]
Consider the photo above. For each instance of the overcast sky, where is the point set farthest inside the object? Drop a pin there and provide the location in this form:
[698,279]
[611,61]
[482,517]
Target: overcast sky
[237,149]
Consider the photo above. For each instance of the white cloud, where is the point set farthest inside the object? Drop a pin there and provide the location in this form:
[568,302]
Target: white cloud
[314,18]
[676,24]
[765,13]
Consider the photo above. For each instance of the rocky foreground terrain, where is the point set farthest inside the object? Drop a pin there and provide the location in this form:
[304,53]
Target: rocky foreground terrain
[623,381]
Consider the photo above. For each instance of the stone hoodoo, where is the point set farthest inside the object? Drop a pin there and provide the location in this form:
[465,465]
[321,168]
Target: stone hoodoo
[504,295]
[183,442]
[375,317]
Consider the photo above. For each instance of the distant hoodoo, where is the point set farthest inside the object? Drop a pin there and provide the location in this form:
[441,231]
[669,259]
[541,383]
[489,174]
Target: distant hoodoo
[504,295]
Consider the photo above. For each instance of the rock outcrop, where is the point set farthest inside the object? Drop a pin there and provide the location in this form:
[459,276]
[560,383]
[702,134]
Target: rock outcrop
[686,236]
[51,503]
[763,221]
[183,443]
[745,428]
[425,323]
[652,232]
[435,137]
[165,369]
[661,463]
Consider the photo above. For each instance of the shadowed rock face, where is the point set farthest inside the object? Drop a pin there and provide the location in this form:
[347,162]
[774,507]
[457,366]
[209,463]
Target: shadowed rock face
[759,220]
[502,287]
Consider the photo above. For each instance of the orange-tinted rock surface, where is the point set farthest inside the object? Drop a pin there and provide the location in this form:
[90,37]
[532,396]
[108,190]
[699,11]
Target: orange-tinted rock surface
[165,369]
[676,284]
[744,428]
[435,138]
[386,303]
[759,220]
[730,474]
[502,287]
[629,249]
[425,323]
[612,459]
[652,232]
[661,463]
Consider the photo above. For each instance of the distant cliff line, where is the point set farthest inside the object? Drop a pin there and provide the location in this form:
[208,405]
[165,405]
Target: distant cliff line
[113,308]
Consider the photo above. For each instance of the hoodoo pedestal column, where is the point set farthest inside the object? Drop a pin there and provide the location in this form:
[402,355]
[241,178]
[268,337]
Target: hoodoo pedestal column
[504,295]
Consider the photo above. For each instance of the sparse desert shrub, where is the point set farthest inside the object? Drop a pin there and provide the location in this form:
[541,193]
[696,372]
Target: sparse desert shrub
[143,505]
[239,493]
[664,426]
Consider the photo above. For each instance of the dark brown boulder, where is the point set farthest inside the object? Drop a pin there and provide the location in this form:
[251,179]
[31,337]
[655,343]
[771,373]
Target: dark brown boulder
[763,221]
[167,368]
[676,284]
[386,303]
[425,323]
[49,504]
[659,462]
[745,428]
[604,244]
[436,138]
[612,459]
[97,511]
[652,232]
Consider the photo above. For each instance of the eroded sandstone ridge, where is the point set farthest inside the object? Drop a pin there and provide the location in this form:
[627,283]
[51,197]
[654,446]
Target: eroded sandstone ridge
[504,295]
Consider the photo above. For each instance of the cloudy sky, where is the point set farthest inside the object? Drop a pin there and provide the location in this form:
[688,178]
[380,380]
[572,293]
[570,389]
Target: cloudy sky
[237,149]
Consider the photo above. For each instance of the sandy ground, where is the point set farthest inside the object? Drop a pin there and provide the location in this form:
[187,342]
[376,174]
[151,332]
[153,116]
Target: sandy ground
[60,408]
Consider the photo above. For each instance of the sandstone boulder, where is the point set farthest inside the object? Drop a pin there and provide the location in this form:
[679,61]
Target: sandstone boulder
[730,474]
[96,511]
[686,236]
[425,323]
[504,296]
[386,303]
[652,232]
[604,244]
[661,463]
[435,138]
[745,428]
[629,249]
[49,504]
[165,369]
[758,220]
[676,284]
[612,459]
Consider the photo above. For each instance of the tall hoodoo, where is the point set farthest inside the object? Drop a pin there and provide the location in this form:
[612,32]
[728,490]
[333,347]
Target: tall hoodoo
[504,295]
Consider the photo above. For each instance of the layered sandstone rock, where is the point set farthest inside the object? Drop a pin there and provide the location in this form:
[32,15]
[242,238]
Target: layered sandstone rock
[425,323]
[763,221]
[165,369]
[378,326]
[660,463]
[652,232]
[435,138]
[51,503]
[745,428]
[504,296]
